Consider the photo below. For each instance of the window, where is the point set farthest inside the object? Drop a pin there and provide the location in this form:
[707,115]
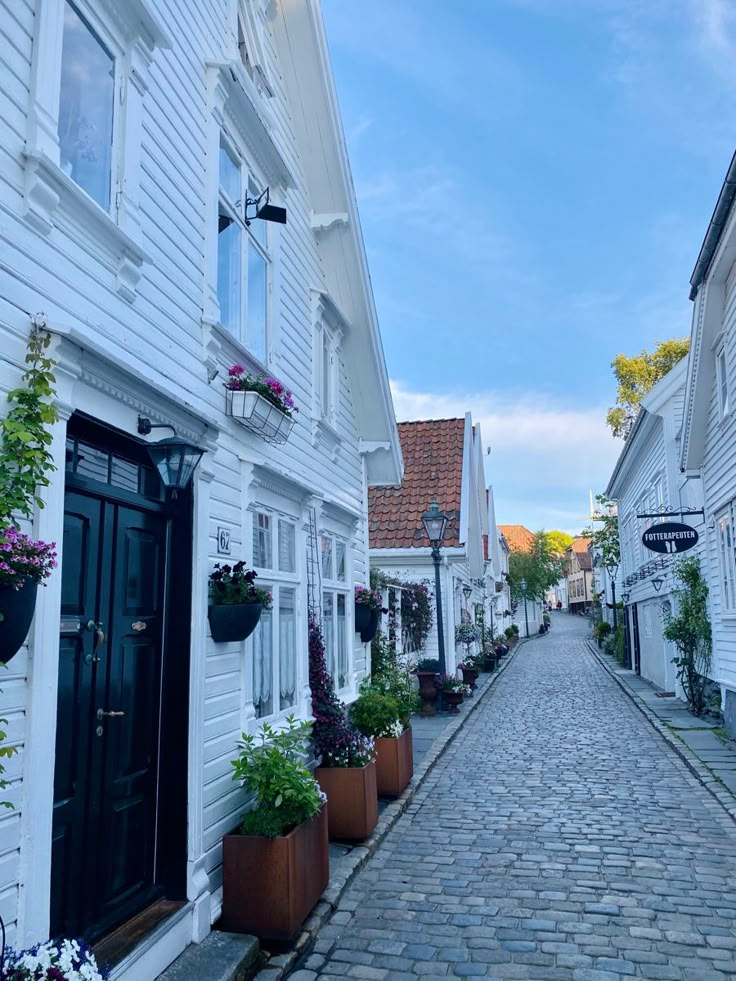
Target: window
[242,257]
[328,376]
[274,639]
[335,609]
[727,557]
[86,100]
[722,378]
[251,44]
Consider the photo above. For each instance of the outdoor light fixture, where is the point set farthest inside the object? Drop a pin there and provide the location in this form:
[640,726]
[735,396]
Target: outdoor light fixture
[435,523]
[263,209]
[625,597]
[467,592]
[522,587]
[174,458]
[658,583]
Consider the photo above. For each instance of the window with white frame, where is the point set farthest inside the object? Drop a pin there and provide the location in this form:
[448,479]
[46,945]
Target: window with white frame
[335,607]
[243,259]
[251,43]
[722,381]
[727,558]
[329,376]
[275,637]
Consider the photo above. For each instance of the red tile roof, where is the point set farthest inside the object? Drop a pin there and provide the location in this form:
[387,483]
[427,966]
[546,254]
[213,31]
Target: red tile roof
[433,468]
[581,544]
[518,538]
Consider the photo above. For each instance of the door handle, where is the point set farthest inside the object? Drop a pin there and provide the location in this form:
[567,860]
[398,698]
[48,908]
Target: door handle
[92,625]
[101,714]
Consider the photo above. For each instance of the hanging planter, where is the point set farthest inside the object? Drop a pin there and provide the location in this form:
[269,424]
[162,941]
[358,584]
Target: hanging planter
[228,623]
[262,404]
[17,607]
[368,610]
[236,603]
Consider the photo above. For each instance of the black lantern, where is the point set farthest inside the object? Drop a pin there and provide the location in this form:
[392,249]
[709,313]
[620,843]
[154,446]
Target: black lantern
[467,592]
[174,458]
[658,582]
[435,523]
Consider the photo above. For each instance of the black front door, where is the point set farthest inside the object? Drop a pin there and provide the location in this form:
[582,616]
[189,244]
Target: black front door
[112,705]
[635,632]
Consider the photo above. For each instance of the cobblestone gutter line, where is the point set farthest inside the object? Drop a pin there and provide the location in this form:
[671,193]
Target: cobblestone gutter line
[344,870]
[699,769]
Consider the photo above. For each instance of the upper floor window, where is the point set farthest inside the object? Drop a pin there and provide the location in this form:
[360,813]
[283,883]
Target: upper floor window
[86,108]
[329,377]
[722,381]
[251,43]
[243,260]
[727,558]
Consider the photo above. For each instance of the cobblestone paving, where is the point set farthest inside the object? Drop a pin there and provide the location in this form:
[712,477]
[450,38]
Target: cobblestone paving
[558,838]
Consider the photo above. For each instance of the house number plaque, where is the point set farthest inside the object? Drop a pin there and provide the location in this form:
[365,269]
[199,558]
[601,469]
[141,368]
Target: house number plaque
[223,541]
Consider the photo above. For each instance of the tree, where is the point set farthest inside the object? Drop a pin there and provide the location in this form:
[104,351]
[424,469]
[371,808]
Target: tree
[540,568]
[559,541]
[604,534]
[636,376]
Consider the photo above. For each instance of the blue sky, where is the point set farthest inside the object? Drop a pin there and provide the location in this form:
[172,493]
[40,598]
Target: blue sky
[534,179]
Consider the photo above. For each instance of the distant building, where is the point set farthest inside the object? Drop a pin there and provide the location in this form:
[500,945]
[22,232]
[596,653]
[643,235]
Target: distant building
[579,569]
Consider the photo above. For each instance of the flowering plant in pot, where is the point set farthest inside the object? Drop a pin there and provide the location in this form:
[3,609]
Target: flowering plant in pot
[261,403]
[282,844]
[470,668]
[453,691]
[379,714]
[24,564]
[347,772]
[236,603]
[269,388]
[56,960]
[368,610]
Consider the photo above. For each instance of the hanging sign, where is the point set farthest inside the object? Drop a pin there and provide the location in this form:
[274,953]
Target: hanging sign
[670,538]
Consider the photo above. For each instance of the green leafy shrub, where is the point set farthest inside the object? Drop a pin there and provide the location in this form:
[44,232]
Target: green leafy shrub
[600,630]
[690,631]
[376,713]
[515,628]
[509,632]
[271,765]
[428,664]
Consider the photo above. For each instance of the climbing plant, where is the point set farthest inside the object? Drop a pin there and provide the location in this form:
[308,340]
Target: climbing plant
[689,630]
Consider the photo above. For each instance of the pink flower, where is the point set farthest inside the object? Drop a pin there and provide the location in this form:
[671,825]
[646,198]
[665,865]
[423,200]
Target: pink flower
[237,369]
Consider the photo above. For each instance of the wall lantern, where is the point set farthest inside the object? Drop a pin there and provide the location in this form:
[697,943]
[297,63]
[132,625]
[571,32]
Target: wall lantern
[467,592]
[263,209]
[174,458]
[625,597]
[658,583]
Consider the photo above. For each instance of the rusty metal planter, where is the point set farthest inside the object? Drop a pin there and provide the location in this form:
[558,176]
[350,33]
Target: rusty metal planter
[394,764]
[353,799]
[270,885]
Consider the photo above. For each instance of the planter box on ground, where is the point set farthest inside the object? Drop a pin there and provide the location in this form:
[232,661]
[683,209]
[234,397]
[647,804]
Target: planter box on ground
[394,764]
[353,799]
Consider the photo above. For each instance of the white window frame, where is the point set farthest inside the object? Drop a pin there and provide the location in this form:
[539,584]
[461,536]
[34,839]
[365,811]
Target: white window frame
[334,586]
[722,387]
[726,517]
[330,329]
[131,32]
[276,581]
[250,32]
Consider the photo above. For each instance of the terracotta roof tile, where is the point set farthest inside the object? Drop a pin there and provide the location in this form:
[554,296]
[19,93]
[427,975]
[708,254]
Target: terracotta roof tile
[518,538]
[581,544]
[433,468]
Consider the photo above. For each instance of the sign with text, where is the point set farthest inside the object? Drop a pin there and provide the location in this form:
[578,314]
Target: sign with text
[670,537]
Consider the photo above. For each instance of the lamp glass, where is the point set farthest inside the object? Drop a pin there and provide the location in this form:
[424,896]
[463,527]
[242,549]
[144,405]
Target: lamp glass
[467,590]
[176,460]
[434,522]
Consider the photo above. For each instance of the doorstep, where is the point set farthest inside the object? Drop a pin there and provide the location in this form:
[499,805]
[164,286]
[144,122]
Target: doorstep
[219,957]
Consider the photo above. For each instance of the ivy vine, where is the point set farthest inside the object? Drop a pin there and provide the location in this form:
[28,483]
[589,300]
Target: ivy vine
[690,631]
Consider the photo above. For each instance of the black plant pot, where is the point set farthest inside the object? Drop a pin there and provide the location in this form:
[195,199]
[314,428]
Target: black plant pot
[16,606]
[229,623]
[366,622]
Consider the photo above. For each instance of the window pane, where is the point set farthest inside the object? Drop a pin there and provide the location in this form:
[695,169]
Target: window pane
[229,174]
[326,374]
[262,541]
[342,641]
[287,647]
[340,561]
[328,629]
[263,666]
[723,379]
[727,560]
[326,557]
[256,328]
[86,107]
[287,547]
[228,273]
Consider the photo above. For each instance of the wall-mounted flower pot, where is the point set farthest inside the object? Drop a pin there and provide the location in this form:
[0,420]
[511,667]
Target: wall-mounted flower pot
[270,885]
[17,607]
[394,764]
[353,799]
[366,622]
[428,692]
[259,415]
[230,623]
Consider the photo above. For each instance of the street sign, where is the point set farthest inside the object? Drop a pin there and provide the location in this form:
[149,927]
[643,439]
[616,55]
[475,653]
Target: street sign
[670,537]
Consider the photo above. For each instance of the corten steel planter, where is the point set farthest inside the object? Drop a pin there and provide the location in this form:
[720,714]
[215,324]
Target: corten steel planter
[17,607]
[452,700]
[428,692]
[366,622]
[394,764]
[353,799]
[470,677]
[270,885]
[233,622]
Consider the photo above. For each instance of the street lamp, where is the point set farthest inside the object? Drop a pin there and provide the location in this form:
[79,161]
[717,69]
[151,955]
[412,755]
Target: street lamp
[612,570]
[522,587]
[435,523]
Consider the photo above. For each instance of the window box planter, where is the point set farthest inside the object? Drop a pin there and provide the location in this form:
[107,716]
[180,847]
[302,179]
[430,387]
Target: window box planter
[353,799]
[366,622]
[394,764]
[17,607]
[270,885]
[259,415]
[235,622]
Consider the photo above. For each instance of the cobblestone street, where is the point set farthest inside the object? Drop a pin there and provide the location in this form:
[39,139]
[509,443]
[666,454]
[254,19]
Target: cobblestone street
[558,837]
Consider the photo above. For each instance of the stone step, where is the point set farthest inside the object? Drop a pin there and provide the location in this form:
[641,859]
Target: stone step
[220,957]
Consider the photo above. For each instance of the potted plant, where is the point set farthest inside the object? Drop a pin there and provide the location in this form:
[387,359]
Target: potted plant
[261,403]
[381,714]
[368,609]
[470,672]
[277,866]
[56,960]
[453,691]
[426,671]
[236,603]
[24,563]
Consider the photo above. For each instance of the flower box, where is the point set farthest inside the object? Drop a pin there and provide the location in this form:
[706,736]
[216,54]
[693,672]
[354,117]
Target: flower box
[233,622]
[394,764]
[270,885]
[259,415]
[353,799]
[17,607]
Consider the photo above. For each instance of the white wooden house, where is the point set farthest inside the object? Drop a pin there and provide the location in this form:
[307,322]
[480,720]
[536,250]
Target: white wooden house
[134,135]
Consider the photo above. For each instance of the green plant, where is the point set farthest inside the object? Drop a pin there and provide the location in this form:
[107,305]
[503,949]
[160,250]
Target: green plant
[515,629]
[376,713]
[271,765]
[613,644]
[416,615]
[428,664]
[391,677]
[235,585]
[509,632]
[600,630]
[540,568]
[689,629]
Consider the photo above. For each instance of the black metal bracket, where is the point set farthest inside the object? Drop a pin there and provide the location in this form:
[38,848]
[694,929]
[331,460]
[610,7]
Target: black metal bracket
[145,426]
[667,511]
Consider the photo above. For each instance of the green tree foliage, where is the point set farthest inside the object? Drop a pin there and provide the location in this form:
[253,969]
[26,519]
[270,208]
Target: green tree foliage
[540,568]
[604,532]
[689,630]
[559,541]
[636,376]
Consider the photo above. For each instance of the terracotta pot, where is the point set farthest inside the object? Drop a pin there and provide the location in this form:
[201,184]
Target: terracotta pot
[470,677]
[394,764]
[353,799]
[366,622]
[236,622]
[452,700]
[428,692]
[270,885]
[489,663]
[17,607]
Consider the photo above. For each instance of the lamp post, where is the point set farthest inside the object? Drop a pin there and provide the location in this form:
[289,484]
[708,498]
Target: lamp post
[627,641]
[435,523]
[613,572]
[522,586]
